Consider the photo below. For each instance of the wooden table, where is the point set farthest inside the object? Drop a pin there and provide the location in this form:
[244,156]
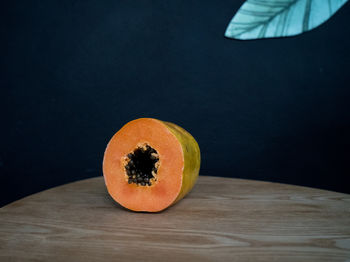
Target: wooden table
[222,219]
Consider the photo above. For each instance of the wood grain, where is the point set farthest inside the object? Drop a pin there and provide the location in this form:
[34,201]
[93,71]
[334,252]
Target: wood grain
[221,220]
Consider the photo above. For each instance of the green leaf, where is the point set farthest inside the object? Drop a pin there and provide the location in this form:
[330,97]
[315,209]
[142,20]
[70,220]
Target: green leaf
[277,18]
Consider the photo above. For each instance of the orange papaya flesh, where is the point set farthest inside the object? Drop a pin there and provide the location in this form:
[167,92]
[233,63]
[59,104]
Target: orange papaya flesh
[150,164]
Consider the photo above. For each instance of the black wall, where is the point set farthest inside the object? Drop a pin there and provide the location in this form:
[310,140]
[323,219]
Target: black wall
[73,72]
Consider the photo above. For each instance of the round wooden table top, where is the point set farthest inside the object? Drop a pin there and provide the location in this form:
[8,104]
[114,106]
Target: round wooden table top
[222,219]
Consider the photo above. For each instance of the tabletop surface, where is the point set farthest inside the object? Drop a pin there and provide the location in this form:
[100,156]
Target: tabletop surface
[222,219]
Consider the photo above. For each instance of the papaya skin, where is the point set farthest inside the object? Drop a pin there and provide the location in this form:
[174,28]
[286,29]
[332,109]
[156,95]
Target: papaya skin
[178,170]
[192,158]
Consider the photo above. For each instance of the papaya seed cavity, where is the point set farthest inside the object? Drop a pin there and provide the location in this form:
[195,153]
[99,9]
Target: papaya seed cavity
[142,165]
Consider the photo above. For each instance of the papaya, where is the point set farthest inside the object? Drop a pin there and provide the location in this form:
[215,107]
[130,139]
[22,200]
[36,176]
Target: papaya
[149,165]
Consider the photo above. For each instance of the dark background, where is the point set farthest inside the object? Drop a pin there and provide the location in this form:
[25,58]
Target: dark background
[73,72]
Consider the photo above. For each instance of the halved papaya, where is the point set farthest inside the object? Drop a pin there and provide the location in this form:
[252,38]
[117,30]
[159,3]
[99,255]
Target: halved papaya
[150,164]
